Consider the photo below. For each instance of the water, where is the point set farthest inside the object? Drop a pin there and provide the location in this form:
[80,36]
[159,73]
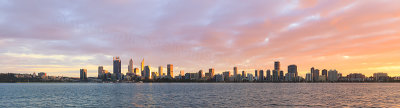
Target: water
[200,95]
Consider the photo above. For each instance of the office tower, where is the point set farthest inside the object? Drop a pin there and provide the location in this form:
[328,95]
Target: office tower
[83,73]
[312,73]
[281,77]
[170,71]
[226,75]
[201,74]
[277,66]
[292,70]
[316,75]
[268,77]
[211,71]
[235,71]
[244,74]
[147,72]
[160,71]
[332,75]
[136,71]
[142,68]
[324,73]
[275,75]
[261,75]
[117,67]
[308,77]
[256,73]
[154,75]
[100,72]
[130,66]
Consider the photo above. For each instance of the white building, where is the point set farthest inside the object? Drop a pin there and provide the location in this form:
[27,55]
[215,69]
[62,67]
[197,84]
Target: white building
[332,75]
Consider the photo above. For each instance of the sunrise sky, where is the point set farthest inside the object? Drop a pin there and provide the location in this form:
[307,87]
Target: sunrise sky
[60,37]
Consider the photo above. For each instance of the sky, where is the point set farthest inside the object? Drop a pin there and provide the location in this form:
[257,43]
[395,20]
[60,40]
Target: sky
[61,37]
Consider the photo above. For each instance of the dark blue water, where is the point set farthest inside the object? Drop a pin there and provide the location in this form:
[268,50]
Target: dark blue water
[199,95]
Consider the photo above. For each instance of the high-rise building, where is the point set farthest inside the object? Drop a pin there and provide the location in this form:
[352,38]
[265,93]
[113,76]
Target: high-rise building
[142,68]
[261,75]
[117,67]
[256,73]
[268,77]
[154,75]
[316,75]
[277,66]
[130,66]
[235,71]
[83,74]
[308,77]
[244,75]
[201,74]
[312,73]
[182,73]
[170,71]
[332,75]
[211,71]
[147,72]
[281,77]
[324,73]
[100,72]
[136,71]
[160,71]
[226,75]
[275,75]
[292,70]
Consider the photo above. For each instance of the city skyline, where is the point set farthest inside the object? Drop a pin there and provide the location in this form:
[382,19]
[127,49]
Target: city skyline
[66,36]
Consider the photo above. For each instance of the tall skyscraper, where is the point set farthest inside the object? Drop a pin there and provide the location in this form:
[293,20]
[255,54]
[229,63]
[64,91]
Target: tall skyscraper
[170,71]
[256,73]
[244,74]
[100,72]
[281,76]
[130,66]
[147,72]
[312,73]
[201,74]
[83,74]
[268,77]
[275,75]
[277,66]
[117,67]
[160,71]
[235,71]
[211,71]
[261,75]
[142,68]
[292,69]
[316,75]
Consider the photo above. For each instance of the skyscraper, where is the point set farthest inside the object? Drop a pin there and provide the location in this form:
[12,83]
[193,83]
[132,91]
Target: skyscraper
[256,74]
[211,71]
[312,73]
[235,71]
[147,72]
[332,75]
[117,67]
[324,73]
[142,68]
[136,71]
[201,74]
[160,71]
[244,74]
[275,75]
[130,66]
[170,71]
[83,74]
[268,77]
[292,69]
[277,66]
[281,76]
[100,72]
[316,75]
[261,75]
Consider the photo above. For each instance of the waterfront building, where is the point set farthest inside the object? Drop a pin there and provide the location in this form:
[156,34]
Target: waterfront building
[100,72]
[226,75]
[250,77]
[136,71]
[261,75]
[275,75]
[293,69]
[170,71]
[154,75]
[281,77]
[117,67]
[309,77]
[147,72]
[316,75]
[380,76]
[325,73]
[42,75]
[322,78]
[256,74]
[142,68]
[268,77]
[356,77]
[83,74]
[244,75]
[160,71]
[277,66]
[312,73]
[235,71]
[332,75]
[130,66]
[201,74]
[211,71]
[219,78]
[181,73]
